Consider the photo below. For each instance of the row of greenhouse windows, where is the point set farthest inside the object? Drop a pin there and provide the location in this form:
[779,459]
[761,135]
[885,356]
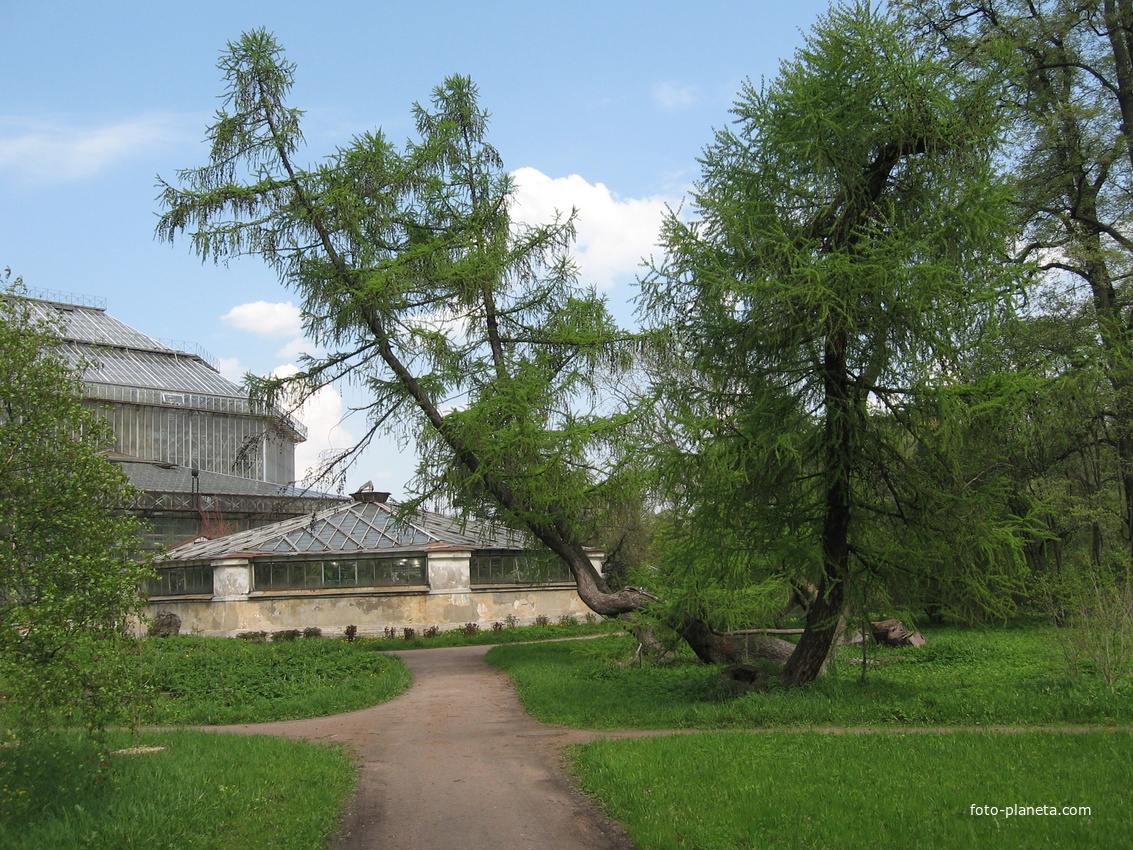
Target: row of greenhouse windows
[513,568]
[180,581]
[355,572]
[485,568]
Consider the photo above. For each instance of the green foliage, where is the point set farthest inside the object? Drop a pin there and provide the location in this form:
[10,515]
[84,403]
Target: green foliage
[70,573]
[743,790]
[817,319]
[466,327]
[206,791]
[1093,607]
[1069,76]
[218,681]
[508,632]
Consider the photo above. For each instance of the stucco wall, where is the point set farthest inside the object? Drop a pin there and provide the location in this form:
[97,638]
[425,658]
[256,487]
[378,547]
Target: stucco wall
[372,613]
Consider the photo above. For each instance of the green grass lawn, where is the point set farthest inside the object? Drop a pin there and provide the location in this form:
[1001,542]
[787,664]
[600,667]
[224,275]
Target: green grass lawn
[206,681]
[208,791]
[218,681]
[962,677]
[725,790]
[799,790]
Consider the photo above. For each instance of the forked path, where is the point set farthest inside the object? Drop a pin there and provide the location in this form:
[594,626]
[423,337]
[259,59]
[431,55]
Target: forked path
[455,763]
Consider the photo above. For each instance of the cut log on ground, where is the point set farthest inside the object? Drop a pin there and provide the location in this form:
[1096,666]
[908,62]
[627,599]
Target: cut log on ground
[894,633]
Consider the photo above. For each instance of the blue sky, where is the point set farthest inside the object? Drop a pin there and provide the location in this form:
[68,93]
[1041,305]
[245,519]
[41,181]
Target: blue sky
[604,106]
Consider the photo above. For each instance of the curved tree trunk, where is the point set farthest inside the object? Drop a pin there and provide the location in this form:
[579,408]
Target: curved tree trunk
[823,622]
[713,647]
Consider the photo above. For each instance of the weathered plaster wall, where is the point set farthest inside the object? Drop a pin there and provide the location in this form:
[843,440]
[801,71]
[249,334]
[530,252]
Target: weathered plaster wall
[372,613]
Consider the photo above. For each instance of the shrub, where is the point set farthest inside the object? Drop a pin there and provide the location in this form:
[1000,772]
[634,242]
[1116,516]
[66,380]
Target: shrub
[1094,608]
[542,620]
[431,632]
[497,626]
[350,633]
[511,621]
[470,628]
[312,632]
[408,633]
[254,637]
[567,620]
[285,635]
[165,624]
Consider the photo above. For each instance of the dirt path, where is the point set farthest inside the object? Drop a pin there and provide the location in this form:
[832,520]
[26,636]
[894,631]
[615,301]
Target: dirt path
[455,763]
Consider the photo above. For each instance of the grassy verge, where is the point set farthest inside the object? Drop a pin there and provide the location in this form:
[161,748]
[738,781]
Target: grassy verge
[773,790]
[206,792]
[210,681]
[962,677]
[220,681]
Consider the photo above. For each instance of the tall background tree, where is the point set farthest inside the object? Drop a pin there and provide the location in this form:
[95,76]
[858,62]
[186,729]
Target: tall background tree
[1068,70]
[845,260]
[70,578]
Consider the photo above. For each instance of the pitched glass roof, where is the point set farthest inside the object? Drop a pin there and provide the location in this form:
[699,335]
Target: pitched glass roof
[117,354]
[354,528]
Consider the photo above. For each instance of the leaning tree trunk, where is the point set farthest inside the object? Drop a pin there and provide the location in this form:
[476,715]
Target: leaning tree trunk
[713,647]
[823,623]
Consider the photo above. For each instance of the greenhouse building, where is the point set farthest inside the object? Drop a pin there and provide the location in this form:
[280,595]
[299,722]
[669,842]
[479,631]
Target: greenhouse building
[360,564]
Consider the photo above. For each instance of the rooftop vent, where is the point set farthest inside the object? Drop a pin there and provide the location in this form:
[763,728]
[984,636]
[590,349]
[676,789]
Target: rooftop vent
[368,495]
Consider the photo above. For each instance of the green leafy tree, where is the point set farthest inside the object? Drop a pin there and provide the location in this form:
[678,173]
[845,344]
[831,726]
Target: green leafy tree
[845,259]
[467,328]
[1068,70]
[70,584]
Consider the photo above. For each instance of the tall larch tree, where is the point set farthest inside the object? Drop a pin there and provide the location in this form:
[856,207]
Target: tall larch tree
[843,255]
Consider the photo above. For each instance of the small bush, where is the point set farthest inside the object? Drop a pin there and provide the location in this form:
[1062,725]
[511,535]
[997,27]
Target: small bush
[511,621]
[567,620]
[431,632]
[497,626]
[1093,605]
[254,637]
[408,633]
[285,635]
[470,628]
[542,620]
[312,632]
[591,618]
[389,632]
[165,624]
[350,633]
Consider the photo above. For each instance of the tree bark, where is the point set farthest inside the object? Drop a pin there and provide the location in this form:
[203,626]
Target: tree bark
[713,647]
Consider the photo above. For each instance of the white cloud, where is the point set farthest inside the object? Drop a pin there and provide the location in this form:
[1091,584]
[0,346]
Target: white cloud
[272,320]
[614,234]
[266,320]
[322,414]
[672,96]
[231,368]
[50,152]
